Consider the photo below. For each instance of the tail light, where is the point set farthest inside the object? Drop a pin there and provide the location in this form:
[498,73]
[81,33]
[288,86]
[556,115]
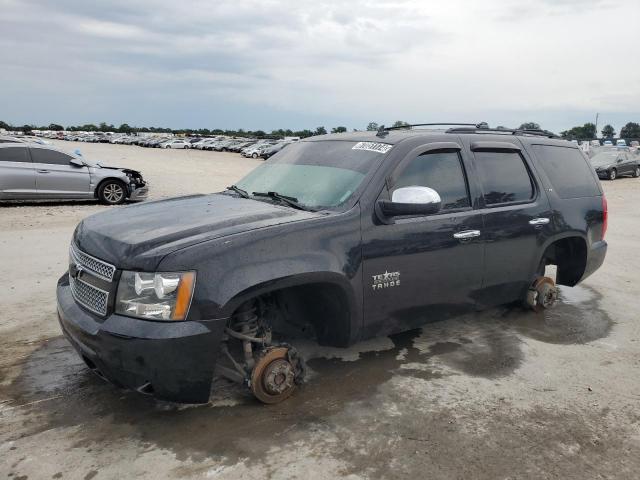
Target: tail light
[605,215]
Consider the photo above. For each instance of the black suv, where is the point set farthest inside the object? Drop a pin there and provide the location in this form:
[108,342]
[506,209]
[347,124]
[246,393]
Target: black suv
[340,237]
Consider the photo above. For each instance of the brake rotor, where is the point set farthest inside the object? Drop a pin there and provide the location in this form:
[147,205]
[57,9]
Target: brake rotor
[273,378]
[547,293]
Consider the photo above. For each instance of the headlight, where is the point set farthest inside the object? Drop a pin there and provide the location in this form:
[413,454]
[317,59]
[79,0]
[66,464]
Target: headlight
[155,296]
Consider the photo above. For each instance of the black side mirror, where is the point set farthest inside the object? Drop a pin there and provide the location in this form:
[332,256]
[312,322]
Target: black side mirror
[411,201]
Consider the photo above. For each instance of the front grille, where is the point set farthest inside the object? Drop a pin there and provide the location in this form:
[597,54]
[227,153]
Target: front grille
[94,265]
[88,296]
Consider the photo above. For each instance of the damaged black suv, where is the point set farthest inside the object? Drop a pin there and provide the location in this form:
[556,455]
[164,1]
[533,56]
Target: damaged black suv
[340,237]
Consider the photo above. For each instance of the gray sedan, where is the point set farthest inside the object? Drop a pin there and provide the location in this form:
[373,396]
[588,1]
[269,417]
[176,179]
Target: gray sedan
[612,164]
[30,171]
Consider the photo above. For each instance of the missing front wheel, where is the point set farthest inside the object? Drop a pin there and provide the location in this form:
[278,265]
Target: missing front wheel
[270,371]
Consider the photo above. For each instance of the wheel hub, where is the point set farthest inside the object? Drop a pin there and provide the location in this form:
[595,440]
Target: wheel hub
[543,294]
[273,378]
[278,377]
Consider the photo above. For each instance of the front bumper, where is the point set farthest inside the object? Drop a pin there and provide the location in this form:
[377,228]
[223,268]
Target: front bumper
[139,194]
[172,361]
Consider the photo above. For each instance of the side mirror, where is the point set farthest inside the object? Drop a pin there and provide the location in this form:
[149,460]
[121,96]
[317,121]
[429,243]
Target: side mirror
[76,163]
[411,201]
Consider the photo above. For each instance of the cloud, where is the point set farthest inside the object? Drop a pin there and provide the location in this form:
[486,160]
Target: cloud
[274,63]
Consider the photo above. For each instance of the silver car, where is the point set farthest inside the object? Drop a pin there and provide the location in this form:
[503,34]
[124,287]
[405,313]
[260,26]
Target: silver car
[30,171]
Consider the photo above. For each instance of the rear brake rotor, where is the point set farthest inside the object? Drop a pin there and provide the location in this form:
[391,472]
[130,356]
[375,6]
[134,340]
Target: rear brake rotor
[273,378]
[547,293]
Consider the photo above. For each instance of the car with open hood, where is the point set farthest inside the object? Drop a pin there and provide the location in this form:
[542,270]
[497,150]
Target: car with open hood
[30,171]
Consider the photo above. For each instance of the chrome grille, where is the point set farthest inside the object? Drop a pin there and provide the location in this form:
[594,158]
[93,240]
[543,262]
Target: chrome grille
[91,264]
[88,296]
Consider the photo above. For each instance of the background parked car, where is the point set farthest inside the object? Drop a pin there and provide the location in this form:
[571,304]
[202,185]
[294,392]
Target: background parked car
[31,171]
[176,144]
[273,149]
[612,163]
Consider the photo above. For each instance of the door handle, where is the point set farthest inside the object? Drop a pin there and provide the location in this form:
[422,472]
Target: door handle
[43,171]
[466,234]
[539,221]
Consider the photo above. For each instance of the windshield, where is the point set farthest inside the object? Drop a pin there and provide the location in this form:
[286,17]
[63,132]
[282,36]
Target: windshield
[318,174]
[604,158]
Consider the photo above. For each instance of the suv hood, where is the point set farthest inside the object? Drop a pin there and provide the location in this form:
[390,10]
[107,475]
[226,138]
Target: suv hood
[139,236]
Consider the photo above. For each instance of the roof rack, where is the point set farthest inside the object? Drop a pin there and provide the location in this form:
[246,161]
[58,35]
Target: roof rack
[481,127]
[382,131]
[511,131]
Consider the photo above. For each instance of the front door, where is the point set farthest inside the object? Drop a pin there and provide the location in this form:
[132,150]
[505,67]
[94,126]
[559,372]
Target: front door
[17,176]
[423,268]
[517,220]
[57,178]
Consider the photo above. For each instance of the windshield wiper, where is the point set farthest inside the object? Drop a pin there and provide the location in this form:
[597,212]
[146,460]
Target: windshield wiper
[239,191]
[291,201]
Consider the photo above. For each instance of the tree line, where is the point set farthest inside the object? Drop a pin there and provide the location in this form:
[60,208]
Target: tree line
[125,128]
[585,132]
[631,131]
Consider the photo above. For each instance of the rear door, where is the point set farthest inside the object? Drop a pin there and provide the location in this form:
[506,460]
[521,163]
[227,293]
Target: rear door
[56,177]
[17,176]
[517,219]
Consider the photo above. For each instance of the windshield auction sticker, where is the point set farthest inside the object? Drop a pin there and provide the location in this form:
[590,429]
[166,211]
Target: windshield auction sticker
[372,147]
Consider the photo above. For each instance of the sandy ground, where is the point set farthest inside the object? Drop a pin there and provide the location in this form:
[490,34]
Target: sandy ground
[499,394]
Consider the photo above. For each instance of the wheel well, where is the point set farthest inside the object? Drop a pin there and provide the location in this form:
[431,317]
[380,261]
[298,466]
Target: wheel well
[570,256]
[314,310]
[104,180]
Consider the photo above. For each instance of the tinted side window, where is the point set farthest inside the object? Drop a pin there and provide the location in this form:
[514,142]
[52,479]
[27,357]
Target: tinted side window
[441,171]
[14,154]
[43,155]
[504,177]
[568,171]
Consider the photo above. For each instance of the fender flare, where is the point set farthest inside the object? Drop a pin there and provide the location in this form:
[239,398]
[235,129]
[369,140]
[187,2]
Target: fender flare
[562,236]
[290,281]
[331,278]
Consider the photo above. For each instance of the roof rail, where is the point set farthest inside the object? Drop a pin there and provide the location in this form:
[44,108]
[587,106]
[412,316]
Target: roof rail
[382,130]
[511,131]
[470,128]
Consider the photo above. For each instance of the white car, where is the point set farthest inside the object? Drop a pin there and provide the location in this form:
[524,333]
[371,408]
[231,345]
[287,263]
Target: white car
[203,143]
[176,144]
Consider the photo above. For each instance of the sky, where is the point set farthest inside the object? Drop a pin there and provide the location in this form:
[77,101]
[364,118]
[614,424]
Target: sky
[268,64]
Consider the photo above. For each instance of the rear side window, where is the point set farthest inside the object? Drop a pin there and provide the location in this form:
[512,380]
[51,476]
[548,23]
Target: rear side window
[441,171]
[43,155]
[567,170]
[504,177]
[14,154]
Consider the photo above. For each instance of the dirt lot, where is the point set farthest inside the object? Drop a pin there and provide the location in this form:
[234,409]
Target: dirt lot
[500,394]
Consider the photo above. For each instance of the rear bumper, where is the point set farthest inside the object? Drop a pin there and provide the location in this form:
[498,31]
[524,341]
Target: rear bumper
[171,361]
[595,258]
